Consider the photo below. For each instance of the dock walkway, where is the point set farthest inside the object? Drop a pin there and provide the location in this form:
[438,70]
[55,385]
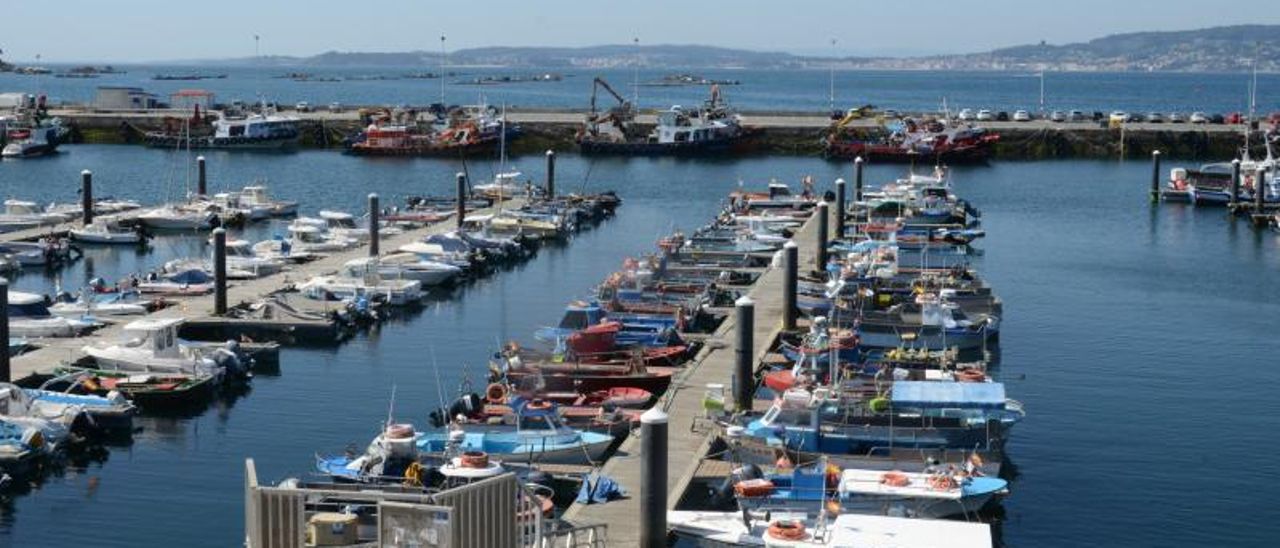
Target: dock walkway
[683,403]
[54,351]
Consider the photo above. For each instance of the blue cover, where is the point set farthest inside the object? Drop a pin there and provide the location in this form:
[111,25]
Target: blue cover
[933,394]
[192,276]
[602,489]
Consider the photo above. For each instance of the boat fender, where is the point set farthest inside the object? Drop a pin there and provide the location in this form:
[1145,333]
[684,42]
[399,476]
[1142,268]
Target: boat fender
[895,479]
[787,530]
[474,459]
[753,488]
[496,393]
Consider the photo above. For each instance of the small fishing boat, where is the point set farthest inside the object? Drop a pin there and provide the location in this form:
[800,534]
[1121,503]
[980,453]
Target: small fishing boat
[174,218]
[47,252]
[538,436]
[406,266]
[117,303]
[151,345]
[21,447]
[190,281]
[29,316]
[150,391]
[369,285]
[98,233]
[804,530]
[256,196]
[109,415]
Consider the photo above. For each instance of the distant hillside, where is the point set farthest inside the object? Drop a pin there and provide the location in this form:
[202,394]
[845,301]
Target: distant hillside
[1205,50]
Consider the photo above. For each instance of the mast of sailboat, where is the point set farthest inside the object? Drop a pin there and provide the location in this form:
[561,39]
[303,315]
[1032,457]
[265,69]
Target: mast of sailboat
[635,77]
[443,58]
[502,155]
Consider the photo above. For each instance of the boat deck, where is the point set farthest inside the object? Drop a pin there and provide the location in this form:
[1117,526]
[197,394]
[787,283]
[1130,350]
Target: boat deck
[52,352]
[688,445]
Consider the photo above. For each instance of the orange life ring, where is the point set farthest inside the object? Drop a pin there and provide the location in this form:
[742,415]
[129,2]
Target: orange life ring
[970,375]
[496,393]
[942,483]
[787,530]
[895,479]
[753,488]
[539,404]
[474,459]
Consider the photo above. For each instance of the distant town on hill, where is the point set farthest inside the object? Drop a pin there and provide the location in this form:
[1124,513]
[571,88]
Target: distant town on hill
[1217,49]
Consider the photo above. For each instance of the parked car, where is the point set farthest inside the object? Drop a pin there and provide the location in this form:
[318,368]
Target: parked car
[1118,117]
[985,115]
[1075,116]
[335,107]
[1155,118]
[1235,118]
[1057,116]
[1098,116]
[1176,118]
[966,115]
[1217,119]
[1022,116]
[1198,117]
[302,106]
[1134,118]
[1002,116]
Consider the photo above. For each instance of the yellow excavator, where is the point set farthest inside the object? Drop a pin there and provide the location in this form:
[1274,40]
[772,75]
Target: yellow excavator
[864,111]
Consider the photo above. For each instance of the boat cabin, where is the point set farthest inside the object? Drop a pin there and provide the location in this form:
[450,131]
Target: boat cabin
[579,316]
[307,234]
[338,219]
[257,126]
[27,305]
[157,335]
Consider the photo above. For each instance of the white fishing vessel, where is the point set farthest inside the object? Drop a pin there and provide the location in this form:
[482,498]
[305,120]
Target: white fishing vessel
[29,316]
[257,196]
[175,218]
[104,304]
[152,345]
[367,283]
[800,530]
[404,266]
[100,233]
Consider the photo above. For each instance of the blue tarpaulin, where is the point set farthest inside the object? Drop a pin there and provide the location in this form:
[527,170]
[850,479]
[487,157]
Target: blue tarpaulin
[598,488]
[970,395]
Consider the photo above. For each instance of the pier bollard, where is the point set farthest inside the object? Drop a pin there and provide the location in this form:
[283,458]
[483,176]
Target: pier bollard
[1259,190]
[5,373]
[839,209]
[791,269]
[744,375]
[86,196]
[374,223]
[219,271]
[462,198]
[653,478]
[1235,184]
[551,174]
[857,179]
[820,254]
[202,182]
[1155,176]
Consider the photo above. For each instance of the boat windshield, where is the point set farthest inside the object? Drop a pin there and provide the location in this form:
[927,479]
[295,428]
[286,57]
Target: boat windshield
[29,310]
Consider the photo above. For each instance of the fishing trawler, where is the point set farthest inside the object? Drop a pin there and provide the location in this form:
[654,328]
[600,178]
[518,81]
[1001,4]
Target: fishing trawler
[709,129]
[264,131]
[911,141]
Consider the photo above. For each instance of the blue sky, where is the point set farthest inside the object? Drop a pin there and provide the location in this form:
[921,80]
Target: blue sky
[142,30]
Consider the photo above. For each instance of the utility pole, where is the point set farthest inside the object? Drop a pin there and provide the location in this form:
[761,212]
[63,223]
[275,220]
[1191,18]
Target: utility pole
[257,51]
[831,99]
[635,78]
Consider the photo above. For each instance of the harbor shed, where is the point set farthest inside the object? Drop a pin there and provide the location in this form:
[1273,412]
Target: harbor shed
[124,98]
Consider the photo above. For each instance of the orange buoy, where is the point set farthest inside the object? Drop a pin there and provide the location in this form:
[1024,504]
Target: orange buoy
[753,488]
[895,479]
[787,530]
[496,393]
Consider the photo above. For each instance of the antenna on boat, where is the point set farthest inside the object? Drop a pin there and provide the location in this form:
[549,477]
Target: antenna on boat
[391,406]
[439,392]
[443,58]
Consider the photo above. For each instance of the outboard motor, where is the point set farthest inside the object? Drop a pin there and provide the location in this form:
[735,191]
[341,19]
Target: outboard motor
[467,405]
[723,495]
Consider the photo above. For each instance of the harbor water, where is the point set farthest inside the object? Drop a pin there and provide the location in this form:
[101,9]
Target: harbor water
[787,90]
[1139,337]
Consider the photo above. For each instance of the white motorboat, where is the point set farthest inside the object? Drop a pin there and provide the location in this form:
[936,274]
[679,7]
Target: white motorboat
[175,218]
[232,204]
[152,345]
[98,233]
[192,281]
[405,266]
[256,196]
[29,316]
[368,284]
[342,224]
[280,249]
[21,215]
[305,236]
[800,530]
[102,304]
[505,185]
[52,417]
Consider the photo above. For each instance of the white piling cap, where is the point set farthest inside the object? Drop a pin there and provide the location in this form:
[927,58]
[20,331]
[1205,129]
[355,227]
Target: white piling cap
[373,194]
[86,172]
[1235,161]
[461,174]
[791,244]
[199,158]
[219,230]
[654,416]
[840,181]
[551,152]
[744,301]
[1155,153]
[857,160]
[822,203]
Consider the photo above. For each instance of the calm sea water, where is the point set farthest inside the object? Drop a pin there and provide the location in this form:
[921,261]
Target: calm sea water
[1140,338]
[806,90]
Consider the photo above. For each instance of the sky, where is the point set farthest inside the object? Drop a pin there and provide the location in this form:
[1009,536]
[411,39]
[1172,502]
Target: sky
[151,30]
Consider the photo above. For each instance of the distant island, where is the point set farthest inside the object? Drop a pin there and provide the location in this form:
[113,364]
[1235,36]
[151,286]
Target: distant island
[1217,49]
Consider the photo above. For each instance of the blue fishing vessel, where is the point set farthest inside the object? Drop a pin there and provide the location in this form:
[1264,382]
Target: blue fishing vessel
[538,436]
[637,329]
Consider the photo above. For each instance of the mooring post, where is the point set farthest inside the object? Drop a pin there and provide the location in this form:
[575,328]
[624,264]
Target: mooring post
[857,179]
[839,233]
[551,174]
[1235,185]
[1155,176]
[791,269]
[202,182]
[653,478]
[744,376]
[5,373]
[219,271]
[86,196]
[462,198]
[1259,190]
[374,224]
[820,254]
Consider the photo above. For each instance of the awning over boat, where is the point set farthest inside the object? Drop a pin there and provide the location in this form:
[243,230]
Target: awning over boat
[932,394]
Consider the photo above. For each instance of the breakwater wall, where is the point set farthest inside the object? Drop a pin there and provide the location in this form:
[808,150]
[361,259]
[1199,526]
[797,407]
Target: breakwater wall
[778,134]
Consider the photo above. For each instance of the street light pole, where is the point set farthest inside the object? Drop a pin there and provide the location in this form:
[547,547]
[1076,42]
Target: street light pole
[635,78]
[831,99]
[442,65]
